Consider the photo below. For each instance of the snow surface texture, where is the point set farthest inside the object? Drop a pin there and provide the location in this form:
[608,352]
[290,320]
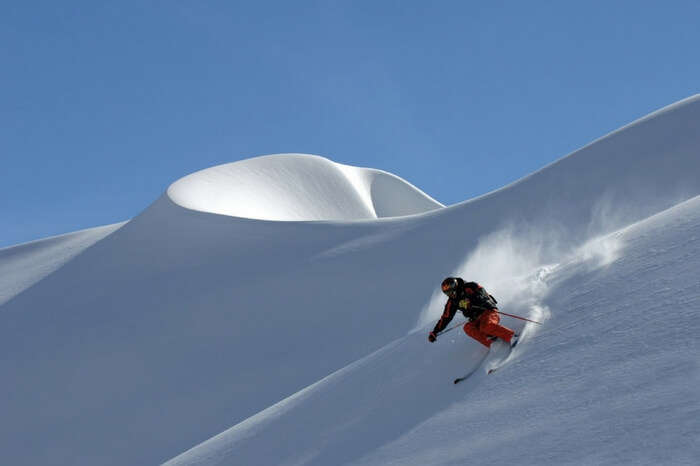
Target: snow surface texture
[198,333]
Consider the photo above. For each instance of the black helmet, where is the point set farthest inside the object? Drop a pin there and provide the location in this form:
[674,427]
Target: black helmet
[450,286]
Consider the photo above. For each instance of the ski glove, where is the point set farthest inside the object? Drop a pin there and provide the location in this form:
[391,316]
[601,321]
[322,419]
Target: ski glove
[432,337]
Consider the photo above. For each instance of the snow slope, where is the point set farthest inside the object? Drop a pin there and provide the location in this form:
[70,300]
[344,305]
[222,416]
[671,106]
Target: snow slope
[297,342]
[598,384]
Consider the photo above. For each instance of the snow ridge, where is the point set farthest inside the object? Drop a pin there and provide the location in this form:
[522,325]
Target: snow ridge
[24,265]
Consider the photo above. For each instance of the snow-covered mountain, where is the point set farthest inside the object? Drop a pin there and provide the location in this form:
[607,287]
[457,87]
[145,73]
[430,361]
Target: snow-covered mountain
[275,311]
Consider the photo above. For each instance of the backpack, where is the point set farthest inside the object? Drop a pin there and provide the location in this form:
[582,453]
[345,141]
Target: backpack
[481,298]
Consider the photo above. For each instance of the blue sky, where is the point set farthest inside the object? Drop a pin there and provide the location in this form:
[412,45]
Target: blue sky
[104,104]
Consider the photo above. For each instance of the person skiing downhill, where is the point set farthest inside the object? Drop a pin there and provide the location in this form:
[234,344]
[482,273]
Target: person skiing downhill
[478,307]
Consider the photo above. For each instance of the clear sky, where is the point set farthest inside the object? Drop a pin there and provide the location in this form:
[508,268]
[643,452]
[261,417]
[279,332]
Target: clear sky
[104,104]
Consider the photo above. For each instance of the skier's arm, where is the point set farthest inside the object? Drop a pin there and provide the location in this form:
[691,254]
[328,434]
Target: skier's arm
[446,317]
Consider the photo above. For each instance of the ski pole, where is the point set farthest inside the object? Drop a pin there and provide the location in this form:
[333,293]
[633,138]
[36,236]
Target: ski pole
[451,328]
[518,317]
[506,314]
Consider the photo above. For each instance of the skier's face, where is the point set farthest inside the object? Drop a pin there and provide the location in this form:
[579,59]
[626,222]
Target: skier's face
[451,293]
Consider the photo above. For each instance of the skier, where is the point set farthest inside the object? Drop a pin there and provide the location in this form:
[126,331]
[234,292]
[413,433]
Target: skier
[478,306]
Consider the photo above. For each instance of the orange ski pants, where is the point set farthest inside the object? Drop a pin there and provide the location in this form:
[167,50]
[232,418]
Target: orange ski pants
[487,325]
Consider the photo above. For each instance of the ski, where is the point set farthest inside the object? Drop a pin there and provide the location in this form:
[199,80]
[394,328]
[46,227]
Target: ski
[516,339]
[471,372]
[465,377]
[500,362]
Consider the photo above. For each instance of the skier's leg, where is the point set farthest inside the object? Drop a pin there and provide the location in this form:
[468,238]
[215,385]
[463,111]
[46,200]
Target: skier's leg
[488,324]
[471,329]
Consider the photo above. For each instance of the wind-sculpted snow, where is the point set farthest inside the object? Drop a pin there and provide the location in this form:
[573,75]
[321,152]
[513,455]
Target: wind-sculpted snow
[299,187]
[198,315]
